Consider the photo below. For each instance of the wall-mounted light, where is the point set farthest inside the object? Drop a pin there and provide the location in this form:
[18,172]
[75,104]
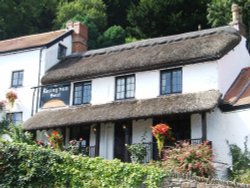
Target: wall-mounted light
[94,129]
[124,127]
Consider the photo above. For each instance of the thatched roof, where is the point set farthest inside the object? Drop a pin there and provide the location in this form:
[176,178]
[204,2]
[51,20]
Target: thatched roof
[148,54]
[166,105]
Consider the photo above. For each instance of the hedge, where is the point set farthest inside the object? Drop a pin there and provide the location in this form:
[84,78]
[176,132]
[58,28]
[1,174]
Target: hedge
[23,165]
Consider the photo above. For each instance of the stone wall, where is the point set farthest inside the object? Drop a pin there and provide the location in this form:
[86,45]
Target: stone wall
[187,181]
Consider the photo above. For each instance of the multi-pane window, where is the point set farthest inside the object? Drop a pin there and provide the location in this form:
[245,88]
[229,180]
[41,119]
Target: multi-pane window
[171,81]
[17,79]
[61,51]
[82,93]
[15,118]
[125,87]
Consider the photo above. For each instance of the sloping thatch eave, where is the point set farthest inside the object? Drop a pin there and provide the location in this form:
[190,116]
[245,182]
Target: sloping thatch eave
[166,105]
[152,54]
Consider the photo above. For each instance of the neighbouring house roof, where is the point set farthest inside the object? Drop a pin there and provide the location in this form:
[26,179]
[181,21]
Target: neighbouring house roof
[176,50]
[238,95]
[165,105]
[33,41]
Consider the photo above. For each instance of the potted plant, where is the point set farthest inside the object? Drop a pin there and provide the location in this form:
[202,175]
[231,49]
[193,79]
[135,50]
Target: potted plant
[11,96]
[162,132]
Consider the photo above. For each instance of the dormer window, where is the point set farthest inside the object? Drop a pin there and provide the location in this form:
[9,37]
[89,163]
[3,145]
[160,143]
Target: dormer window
[61,51]
[82,93]
[125,87]
[171,81]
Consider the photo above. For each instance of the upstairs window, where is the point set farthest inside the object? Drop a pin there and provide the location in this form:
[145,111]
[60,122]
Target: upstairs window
[61,51]
[15,118]
[125,87]
[17,79]
[82,93]
[171,81]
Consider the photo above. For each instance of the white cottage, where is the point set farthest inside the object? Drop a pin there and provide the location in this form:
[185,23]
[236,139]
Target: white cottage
[112,96]
[24,60]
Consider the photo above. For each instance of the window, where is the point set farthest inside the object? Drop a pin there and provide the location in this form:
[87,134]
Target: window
[61,51]
[171,81]
[82,93]
[125,87]
[16,117]
[17,79]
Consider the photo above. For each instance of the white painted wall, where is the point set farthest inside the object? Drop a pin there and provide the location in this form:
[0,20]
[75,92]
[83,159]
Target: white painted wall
[222,127]
[141,127]
[231,64]
[147,84]
[200,77]
[196,124]
[107,141]
[103,90]
[51,53]
[28,62]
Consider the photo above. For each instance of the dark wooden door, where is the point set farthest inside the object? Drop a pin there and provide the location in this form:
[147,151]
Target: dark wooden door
[123,132]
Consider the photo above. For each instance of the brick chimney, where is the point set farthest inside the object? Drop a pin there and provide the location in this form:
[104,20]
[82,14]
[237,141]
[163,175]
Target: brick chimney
[237,22]
[79,37]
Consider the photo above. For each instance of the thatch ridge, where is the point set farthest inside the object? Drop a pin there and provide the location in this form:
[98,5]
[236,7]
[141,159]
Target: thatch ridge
[148,54]
[165,105]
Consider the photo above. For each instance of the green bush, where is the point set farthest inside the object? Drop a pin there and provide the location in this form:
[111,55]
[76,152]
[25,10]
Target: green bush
[186,158]
[241,163]
[23,165]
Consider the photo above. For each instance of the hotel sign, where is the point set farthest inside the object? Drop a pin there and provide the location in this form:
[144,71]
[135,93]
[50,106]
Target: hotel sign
[55,92]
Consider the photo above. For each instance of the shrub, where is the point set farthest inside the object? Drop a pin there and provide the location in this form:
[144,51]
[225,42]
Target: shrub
[23,165]
[241,163]
[186,158]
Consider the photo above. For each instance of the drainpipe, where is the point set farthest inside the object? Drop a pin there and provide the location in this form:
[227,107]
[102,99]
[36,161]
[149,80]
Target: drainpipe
[38,79]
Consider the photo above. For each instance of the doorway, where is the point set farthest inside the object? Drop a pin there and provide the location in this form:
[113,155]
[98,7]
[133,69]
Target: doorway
[123,135]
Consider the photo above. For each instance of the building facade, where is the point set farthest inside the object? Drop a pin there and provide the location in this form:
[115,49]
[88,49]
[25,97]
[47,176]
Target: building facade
[23,62]
[113,96]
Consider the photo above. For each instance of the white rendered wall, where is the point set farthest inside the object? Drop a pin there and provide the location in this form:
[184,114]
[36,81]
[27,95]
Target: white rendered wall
[200,77]
[107,141]
[232,126]
[92,138]
[103,90]
[141,127]
[196,124]
[51,53]
[231,64]
[28,62]
[147,84]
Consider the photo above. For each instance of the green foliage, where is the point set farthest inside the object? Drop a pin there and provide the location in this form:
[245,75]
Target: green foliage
[149,18]
[26,17]
[241,163]
[186,158]
[219,12]
[137,151]
[94,10]
[15,132]
[112,36]
[23,165]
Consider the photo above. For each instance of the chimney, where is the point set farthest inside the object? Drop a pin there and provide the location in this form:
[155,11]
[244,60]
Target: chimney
[79,36]
[237,22]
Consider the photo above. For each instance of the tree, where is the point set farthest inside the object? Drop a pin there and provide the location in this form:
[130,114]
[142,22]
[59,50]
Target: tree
[117,11]
[94,10]
[219,12]
[112,36]
[150,18]
[26,17]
